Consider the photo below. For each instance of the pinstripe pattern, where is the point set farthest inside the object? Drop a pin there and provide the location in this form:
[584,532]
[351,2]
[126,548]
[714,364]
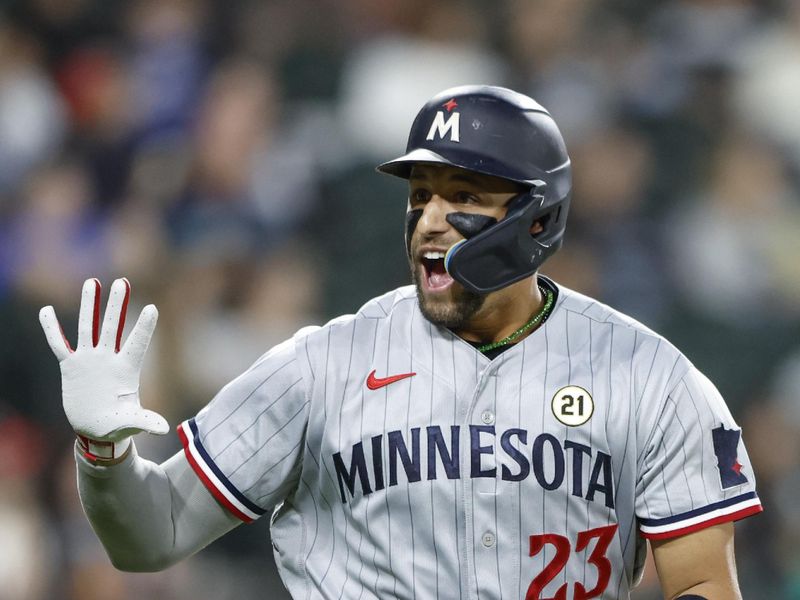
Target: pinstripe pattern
[388,514]
[522,550]
[434,486]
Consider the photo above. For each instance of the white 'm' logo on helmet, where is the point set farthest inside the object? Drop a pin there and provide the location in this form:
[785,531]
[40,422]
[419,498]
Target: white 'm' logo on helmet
[443,127]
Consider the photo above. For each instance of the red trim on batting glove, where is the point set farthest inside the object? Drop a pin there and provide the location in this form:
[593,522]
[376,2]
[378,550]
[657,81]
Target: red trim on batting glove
[122,314]
[96,313]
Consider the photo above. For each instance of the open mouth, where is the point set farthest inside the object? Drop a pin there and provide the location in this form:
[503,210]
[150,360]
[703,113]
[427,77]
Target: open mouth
[435,276]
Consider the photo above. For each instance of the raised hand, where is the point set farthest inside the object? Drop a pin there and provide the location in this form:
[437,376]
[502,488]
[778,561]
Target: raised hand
[100,378]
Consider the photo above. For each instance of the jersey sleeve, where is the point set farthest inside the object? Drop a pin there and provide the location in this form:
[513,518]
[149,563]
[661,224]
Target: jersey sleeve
[695,472]
[246,444]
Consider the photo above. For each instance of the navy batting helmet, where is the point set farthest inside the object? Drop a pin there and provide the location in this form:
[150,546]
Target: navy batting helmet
[499,132]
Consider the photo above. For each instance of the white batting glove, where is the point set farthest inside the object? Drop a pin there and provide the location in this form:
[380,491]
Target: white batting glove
[100,380]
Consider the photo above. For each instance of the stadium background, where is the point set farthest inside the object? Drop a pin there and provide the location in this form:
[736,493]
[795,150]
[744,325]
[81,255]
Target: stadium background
[220,155]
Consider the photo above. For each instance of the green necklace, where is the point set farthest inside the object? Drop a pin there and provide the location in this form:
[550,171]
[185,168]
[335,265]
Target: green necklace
[548,304]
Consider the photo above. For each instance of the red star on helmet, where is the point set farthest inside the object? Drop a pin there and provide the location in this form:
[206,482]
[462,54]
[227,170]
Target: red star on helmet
[450,104]
[737,467]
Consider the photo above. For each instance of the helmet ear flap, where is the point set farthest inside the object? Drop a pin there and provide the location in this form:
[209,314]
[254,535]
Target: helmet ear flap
[506,252]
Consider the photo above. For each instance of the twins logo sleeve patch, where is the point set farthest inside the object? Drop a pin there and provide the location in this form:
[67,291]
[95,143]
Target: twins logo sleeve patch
[726,443]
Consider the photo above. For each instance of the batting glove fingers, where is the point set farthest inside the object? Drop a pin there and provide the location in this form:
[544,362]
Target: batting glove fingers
[100,377]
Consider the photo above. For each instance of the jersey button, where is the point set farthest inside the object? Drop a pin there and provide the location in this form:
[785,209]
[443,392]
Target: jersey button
[488,539]
[487,417]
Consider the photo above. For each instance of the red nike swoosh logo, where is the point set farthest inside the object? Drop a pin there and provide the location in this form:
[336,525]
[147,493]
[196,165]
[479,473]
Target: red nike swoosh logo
[375,383]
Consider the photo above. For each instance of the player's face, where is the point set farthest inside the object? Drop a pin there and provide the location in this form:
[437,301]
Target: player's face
[438,190]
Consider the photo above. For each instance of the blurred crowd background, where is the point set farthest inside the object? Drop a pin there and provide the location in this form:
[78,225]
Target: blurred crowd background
[221,154]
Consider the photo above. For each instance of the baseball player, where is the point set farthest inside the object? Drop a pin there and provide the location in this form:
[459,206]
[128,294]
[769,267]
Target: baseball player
[483,433]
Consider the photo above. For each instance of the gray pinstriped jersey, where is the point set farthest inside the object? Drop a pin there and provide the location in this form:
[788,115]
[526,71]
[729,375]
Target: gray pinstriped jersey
[405,464]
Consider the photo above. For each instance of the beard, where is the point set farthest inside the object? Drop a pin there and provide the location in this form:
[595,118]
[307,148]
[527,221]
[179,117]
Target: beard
[454,312]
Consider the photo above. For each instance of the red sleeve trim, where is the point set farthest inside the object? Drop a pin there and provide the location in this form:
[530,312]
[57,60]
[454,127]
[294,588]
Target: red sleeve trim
[735,516]
[215,491]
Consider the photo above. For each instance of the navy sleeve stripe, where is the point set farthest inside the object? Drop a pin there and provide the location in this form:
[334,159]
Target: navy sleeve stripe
[211,465]
[699,511]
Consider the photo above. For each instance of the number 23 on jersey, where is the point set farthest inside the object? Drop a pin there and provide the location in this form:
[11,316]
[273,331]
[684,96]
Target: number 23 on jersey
[563,548]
